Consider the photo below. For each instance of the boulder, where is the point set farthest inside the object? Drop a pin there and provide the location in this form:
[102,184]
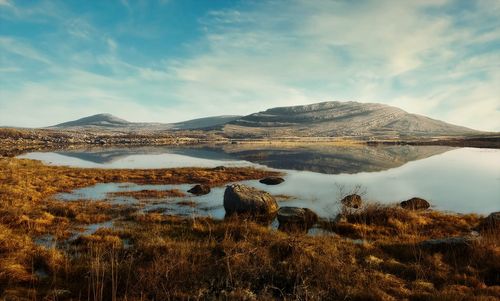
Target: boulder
[415,204]
[242,199]
[292,219]
[200,189]
[352,200]
[272,180]
[491,222]
[297,215]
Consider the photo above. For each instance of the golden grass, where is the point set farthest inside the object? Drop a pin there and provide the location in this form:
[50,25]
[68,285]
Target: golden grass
[151,256]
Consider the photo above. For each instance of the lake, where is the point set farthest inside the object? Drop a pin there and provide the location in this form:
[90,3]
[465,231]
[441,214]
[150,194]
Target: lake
[453,179]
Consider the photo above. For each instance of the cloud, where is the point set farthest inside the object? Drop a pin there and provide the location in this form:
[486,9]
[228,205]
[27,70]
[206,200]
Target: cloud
[438,58]
[22,49]
[394,52]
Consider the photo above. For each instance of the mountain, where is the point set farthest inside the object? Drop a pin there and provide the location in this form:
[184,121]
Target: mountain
[108,121]
[341,119]
[98,120]
[325,119]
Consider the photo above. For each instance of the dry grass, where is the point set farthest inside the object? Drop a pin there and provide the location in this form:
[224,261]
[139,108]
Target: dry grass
[151,256]
[376,222]
[149,194]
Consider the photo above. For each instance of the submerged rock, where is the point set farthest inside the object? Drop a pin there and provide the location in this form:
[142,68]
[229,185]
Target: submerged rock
[295,218]
[200,189]
[272,180]
[242,199]
[352,200]
[415,204]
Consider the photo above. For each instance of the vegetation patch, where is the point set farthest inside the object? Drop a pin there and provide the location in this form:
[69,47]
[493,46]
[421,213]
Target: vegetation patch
[380,252]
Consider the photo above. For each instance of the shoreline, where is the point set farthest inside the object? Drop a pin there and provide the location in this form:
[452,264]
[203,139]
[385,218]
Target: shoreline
[15,141]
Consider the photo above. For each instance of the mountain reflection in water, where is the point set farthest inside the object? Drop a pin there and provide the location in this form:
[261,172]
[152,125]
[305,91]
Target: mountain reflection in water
[314,158]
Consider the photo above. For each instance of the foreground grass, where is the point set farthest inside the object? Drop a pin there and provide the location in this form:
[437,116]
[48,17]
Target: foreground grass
[375,256]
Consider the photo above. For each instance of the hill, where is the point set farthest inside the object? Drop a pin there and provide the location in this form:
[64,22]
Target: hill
[342,119]
[98,120]
[110,122]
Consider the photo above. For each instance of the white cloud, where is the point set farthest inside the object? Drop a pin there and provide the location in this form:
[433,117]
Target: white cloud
[23,49]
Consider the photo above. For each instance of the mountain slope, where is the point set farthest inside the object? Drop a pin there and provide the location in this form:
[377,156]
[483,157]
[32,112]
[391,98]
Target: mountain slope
[340,119]
[205,122]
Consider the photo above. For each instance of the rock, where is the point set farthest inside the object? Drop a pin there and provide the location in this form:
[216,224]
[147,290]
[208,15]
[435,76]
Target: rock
[352,200]
[296,218]
[491,222]
[340,218]
[200,189]
[272,180]
[242,199]
[415,204]
[220,168]
[456,244]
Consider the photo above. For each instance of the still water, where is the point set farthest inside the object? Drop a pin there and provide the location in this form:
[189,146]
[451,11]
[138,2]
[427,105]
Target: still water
[453,179]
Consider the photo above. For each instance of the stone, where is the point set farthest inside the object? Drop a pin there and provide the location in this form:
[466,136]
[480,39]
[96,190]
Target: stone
[200,189]
[303,217]
[415,204]
[272,180]
[491,222]
[242,199]
[352,200]
[455,244]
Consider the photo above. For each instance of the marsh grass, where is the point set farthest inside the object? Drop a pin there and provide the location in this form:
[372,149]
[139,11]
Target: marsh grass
[153,256]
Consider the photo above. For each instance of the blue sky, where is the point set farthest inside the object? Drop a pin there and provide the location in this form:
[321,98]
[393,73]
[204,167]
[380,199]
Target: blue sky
[171,60]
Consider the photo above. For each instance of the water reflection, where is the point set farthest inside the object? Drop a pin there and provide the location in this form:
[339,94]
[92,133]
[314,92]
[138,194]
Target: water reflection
[316,158]
[336,160]
[454,179]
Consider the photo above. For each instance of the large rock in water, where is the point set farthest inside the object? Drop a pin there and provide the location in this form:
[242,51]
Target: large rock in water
[242,199]
[415,204]
[295,218]
[272,180]
[199,189]
[352,200]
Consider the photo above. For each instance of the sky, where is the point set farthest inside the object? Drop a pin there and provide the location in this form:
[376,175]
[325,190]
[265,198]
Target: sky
[172,60]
